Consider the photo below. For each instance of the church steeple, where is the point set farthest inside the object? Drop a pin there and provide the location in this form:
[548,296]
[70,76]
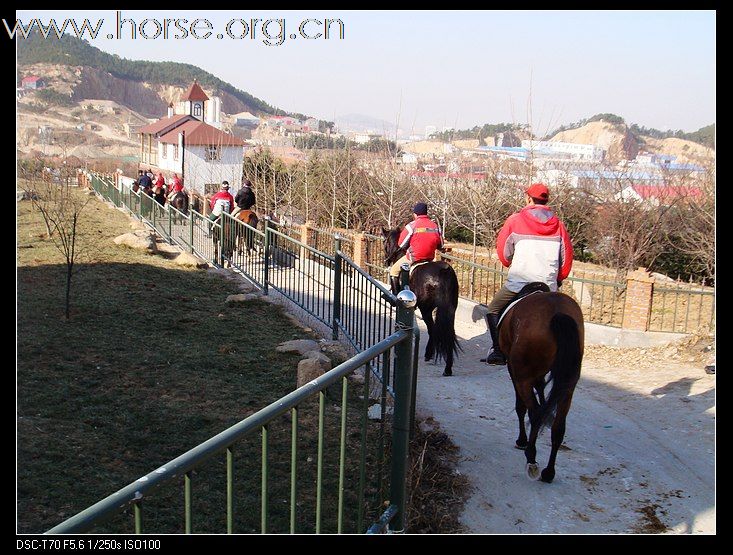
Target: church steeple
[194,99]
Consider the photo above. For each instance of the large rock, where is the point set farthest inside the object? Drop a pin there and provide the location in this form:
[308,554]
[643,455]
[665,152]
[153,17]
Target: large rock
[335,350]
[188,260]
[141,240]
[311,368]
[300,346]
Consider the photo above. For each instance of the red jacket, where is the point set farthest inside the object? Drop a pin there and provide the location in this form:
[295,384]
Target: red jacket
[177,186]
[423,237]
[223,195]
[160,182]
[535,245]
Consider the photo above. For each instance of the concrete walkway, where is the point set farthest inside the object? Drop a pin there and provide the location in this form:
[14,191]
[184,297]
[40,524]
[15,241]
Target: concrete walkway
[634,459]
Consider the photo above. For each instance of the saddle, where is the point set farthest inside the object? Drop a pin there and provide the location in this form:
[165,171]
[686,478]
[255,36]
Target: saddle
[416,264]
[529,289]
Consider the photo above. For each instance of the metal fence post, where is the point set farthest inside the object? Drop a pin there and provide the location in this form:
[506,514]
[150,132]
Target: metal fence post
[336,287]
[406,302]
[222,220]
[266,276]
[170,224]
[190,232]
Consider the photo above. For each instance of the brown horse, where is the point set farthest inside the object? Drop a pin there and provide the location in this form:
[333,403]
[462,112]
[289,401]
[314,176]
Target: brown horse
[245,236]
[543,339]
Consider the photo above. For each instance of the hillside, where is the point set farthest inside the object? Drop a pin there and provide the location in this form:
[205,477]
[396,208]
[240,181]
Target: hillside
[108,77]
[618,141]
[622,143]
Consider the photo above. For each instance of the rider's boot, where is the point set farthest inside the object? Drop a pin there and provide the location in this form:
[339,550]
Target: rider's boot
[495,356]
[395,284]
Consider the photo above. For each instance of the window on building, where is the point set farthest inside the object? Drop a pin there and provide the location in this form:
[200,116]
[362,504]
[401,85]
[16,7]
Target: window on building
[197,110]
[175,152]
[163,148]
[211,188]
[213,153]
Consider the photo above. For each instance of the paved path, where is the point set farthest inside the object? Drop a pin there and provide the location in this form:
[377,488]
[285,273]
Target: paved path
[639,457]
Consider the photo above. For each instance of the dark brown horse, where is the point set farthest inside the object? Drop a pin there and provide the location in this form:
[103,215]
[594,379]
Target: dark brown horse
[245,236]
[179,201]
[435,285]
[542,337]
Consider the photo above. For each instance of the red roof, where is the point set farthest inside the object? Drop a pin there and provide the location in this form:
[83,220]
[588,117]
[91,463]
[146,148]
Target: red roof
[195,92]
[477,176]
[163,123]
[200,133]
[31,79]
[667,192]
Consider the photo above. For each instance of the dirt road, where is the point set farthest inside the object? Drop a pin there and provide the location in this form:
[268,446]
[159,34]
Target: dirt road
[638,456]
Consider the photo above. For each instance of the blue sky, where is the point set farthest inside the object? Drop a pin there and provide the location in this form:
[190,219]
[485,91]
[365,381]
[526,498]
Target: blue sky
[453,68]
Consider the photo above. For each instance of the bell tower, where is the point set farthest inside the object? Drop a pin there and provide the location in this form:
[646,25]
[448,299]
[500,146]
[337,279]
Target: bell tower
[193,101]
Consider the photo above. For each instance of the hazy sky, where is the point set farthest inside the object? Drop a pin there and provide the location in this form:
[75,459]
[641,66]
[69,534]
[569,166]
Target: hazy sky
[452,68]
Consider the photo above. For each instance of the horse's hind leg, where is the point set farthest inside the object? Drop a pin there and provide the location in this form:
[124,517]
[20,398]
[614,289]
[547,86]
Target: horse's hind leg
[521,410]
[427,316]
[558,434]
[525,392]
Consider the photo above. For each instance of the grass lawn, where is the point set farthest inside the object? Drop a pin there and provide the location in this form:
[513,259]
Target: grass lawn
[151,363]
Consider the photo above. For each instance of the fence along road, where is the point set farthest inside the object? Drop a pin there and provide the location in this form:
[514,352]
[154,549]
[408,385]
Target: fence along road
[307,279]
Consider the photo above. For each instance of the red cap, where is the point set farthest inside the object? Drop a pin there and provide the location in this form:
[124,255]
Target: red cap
[538,191]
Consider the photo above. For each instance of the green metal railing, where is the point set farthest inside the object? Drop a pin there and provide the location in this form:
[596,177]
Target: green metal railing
[335,291]
[399,344]
[681,307]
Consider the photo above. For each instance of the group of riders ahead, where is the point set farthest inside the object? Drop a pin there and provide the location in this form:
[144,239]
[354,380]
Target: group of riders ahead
[222,201]
[533,243]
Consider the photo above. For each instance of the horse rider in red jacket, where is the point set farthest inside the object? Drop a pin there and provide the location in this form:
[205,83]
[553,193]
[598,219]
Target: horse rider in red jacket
[222,201]
[419,239]
[176,186]
[535,246]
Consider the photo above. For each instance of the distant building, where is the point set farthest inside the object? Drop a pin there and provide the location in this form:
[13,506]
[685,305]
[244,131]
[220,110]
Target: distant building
[246,119]
[429,130]
[363,138]
[193,147]
[32,82]
[656,195]
[566,150]
[311,125]
[409,159]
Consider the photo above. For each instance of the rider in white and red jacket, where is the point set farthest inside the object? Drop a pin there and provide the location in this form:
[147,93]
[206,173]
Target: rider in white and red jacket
[535,246]
[222,201]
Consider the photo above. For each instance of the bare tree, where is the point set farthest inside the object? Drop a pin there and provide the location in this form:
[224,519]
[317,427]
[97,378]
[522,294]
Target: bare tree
[61,208]
[692,225]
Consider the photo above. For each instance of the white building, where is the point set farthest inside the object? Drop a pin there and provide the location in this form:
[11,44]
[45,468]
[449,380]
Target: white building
[429,130]
[192,147]
[571,150]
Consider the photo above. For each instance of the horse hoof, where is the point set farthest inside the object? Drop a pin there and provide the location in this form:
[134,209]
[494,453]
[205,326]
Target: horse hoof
[447,373]
[547,475]
[533,471]
[518,445]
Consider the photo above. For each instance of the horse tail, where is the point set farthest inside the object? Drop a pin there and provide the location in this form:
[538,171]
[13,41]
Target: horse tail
[444,331]
[565,369]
